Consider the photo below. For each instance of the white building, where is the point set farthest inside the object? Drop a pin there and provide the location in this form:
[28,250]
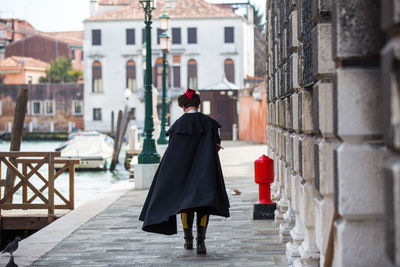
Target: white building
[208,41]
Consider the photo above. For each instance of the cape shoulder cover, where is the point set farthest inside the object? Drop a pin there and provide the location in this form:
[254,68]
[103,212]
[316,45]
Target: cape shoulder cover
[189,175]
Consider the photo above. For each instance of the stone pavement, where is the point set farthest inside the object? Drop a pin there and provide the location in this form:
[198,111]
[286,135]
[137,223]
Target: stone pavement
[114,236]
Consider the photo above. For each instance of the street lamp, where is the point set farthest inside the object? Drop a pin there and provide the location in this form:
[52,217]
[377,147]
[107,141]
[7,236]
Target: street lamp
[149,154]
[165,47]
[127,94]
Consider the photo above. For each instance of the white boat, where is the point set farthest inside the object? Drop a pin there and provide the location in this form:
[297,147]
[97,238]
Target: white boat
[94,149]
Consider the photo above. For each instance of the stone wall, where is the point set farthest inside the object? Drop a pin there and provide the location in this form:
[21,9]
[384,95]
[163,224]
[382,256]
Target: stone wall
[333,129]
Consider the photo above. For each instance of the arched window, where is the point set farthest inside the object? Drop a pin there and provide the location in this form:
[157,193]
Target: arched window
[157,73]
[192,74]
[229,68]
[97,84]
[131,75]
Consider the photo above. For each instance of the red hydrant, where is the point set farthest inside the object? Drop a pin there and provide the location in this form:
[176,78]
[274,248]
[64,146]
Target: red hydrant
[264,176]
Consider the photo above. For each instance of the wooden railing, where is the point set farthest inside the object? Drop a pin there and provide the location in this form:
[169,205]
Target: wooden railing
[30,164]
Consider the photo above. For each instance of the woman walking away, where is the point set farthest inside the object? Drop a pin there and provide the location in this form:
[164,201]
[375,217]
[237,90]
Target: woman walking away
[189,178]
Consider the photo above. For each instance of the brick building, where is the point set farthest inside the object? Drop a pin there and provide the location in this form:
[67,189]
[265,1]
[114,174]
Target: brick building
[51,107]
[12,30]
[333,129]
[48,47]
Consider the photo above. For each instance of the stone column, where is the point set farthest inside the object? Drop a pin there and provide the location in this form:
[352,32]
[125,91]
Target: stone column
[390,68]
[359,159]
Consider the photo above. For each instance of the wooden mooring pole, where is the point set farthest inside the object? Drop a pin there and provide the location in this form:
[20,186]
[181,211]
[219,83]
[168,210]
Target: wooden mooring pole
[16,135]
[117,130]
[120,133]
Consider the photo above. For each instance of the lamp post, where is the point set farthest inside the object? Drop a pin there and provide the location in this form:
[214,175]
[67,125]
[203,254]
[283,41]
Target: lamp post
[165,47]
[149,154]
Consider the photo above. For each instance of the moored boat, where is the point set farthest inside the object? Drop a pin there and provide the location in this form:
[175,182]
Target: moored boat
[94,149]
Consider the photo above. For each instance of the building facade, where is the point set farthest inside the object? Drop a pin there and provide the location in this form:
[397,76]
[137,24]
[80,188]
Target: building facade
[208,42]
[12,30]
[47,48]
[21,70]
[333,121]
[51,107]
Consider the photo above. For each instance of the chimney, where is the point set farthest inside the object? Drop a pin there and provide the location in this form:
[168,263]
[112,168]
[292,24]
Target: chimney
[94,4]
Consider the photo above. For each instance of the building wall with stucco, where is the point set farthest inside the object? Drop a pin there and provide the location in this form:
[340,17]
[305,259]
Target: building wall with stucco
[210,52]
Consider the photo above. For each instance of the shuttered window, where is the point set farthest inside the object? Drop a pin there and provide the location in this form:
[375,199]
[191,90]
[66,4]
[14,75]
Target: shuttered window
[192,35]
[131,75]
[97,114]
[177,76]
[130,36]
[229,35]
[192,74]
[143,36]
[97,86]
[229,68]
[96,37]
[176,36]
[159,31]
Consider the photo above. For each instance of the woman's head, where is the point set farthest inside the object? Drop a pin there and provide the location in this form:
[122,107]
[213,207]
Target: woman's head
[189,99]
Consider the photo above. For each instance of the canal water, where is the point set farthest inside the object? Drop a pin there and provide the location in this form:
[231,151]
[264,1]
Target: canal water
[87,183]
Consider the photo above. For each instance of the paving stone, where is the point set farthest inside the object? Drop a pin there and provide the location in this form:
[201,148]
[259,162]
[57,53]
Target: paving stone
[114,237]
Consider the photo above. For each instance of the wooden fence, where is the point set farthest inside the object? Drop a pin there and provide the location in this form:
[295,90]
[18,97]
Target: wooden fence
[30,163]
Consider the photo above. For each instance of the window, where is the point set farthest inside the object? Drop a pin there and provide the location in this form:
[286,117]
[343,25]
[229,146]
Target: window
[192,74]
[192,35]
[206,107]
[30,79]
[97,86]
[133,111]
[1,109]
[176,71]
[97,114]
[229,69]
[177,76]
[176,35]
[96,37]
[82,55]
[130,36]
[49,107]
[131,75]
[157,73]
[229,35]
[36,107]
[159,32]
[73,54]
[77,107]
[143,36]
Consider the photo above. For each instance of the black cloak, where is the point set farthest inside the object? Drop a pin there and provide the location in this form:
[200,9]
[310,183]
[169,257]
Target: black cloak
[189,175]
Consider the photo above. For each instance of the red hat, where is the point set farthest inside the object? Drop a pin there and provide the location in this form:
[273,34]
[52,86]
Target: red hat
[190,93]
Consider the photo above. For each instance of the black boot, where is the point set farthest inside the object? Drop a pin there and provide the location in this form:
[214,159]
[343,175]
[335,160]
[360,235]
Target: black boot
[201,236]
[188,238]
[187,222]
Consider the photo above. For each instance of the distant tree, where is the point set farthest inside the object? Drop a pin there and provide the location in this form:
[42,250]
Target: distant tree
[260,49]
[61,71]
[258,19]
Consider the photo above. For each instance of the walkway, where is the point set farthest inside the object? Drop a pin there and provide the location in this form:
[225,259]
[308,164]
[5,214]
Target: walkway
[114,236]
